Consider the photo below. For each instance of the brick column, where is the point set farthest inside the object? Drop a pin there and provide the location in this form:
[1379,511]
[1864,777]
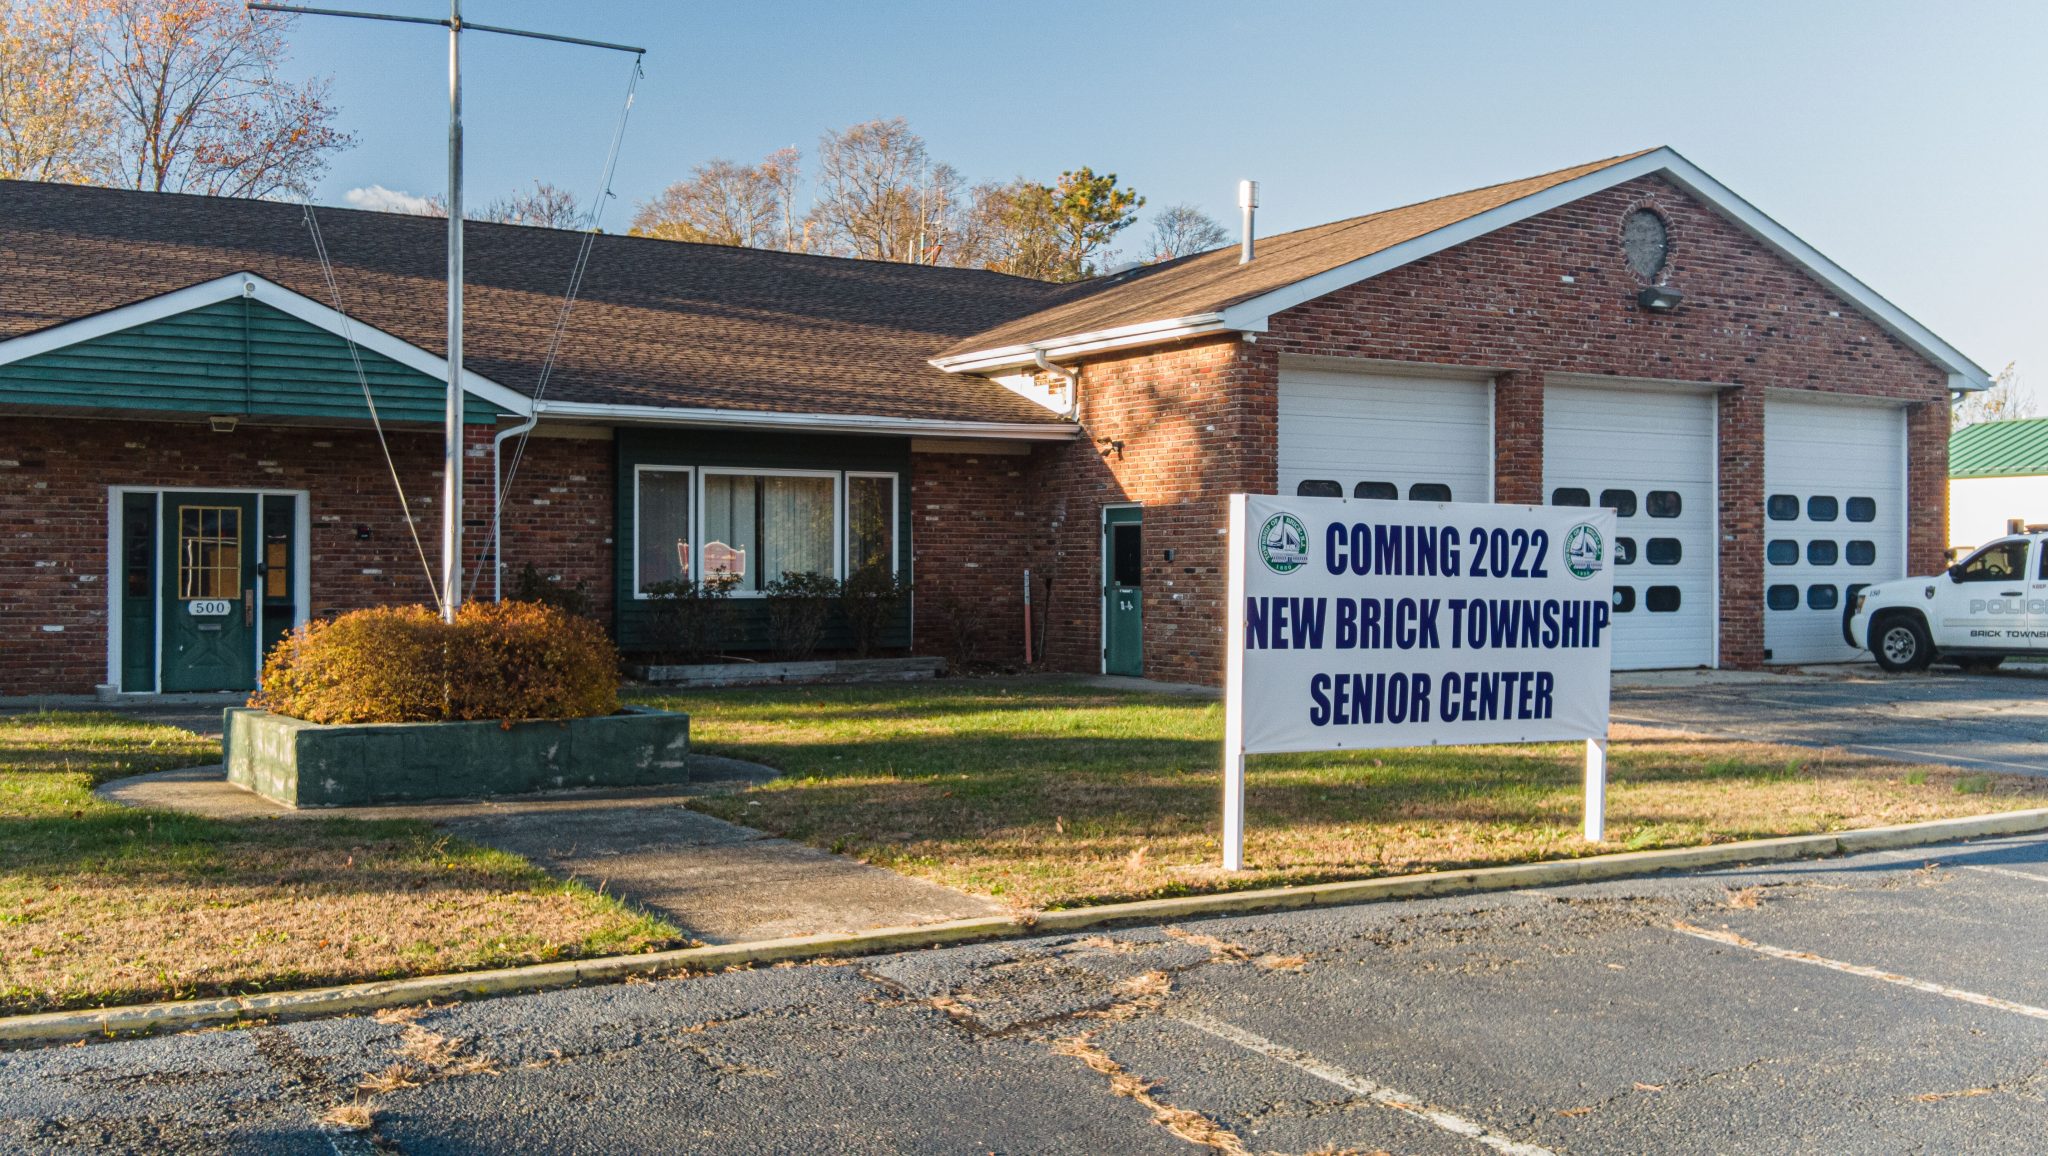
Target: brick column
[1927,429]
[1518,437]
[1740,532]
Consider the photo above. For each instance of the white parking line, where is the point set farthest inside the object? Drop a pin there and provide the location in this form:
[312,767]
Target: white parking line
[1730,939]
[2008,872]
[1359,1085]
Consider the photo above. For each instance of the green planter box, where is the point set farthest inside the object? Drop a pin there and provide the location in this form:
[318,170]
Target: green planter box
[304,764]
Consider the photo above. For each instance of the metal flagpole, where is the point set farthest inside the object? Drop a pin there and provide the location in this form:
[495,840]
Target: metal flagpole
[452,449]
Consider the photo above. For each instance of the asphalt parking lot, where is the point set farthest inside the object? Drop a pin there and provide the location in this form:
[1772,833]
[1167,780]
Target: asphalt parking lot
[1888,1002]
[1987,722]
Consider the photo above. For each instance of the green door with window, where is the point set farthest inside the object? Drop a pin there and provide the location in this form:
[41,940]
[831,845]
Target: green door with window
[1123,602]
[211,547]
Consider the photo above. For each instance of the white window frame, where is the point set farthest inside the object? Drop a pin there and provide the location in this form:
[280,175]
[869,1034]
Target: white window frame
[640,595]
[838,478]
[895,517]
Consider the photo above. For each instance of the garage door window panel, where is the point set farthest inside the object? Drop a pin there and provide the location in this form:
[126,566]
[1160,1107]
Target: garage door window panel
[1821,552]
[1663,504]
[1429,492]
[1661,599]
[1377,491]
[1318,488]
[1821,508]
[1624,551]
[1822,597]
[1860,553]
[1664,552]
[1624,599]
[1782,508]
[1861,509]
[1570,496]
[1782,596]
[1782,552]
[1622,502]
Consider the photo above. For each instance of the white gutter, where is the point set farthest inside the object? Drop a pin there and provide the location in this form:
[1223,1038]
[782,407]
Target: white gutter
[1080,344]
[1073,376]
[818,422]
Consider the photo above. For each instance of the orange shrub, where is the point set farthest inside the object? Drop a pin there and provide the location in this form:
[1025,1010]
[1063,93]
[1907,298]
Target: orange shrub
[499,660]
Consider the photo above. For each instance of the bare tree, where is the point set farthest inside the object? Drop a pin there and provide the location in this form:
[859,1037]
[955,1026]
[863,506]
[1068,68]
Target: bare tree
[2002,402]
[726,203]
[198,104]
[547,205]
[54,114]
[1183,230]
[881,197]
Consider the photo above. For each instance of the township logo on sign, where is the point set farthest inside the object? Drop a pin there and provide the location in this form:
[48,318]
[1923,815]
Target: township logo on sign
[1585,552]
[1283,544]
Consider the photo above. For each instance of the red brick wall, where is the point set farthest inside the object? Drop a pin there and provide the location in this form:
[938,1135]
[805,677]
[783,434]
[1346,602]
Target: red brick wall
[54,476]
[974,531]
[1199,421]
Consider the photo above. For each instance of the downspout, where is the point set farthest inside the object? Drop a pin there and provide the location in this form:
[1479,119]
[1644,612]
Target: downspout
[498,504]
[1071,373]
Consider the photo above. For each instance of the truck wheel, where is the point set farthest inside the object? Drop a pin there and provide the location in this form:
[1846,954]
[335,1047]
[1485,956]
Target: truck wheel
[1981,665]
[1901,643]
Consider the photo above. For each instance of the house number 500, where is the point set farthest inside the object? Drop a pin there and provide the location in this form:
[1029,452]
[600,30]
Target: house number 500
[209,607]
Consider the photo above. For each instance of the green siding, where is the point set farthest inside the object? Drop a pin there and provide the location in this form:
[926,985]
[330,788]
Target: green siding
[232,357]
[634,617]
[1999,449]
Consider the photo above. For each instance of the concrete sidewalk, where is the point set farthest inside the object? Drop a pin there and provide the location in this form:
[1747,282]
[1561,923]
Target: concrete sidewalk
[718,882]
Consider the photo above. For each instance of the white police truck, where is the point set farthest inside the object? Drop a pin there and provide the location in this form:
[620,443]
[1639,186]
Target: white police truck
[1990,606]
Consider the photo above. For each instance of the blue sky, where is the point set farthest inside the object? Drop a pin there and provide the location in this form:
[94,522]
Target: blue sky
[1902,139]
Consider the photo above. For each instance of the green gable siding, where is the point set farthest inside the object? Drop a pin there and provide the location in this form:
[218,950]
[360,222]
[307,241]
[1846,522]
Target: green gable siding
[233,357]
[1999,449]
[634,624]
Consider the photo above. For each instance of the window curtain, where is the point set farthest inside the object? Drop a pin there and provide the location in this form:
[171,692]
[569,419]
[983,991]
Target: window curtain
[662,538]
[796,526]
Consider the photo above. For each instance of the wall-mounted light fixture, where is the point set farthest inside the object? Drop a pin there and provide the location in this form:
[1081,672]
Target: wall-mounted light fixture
[1659,298]
[223,422]
[1111,446]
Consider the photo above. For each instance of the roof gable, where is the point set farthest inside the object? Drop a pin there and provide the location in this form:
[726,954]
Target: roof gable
[1212,293]
[273,343]
[1999,449]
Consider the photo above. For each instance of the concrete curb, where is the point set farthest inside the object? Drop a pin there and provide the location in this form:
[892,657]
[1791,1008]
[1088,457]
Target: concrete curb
[60,1027]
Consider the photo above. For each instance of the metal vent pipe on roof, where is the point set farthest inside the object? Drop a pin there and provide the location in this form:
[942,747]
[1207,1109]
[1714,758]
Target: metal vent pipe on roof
[1248,200]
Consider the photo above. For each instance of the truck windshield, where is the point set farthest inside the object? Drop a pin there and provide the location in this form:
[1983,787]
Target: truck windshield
[1998,562]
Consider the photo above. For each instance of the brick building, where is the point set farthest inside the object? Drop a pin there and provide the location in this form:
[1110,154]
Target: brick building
[187,465]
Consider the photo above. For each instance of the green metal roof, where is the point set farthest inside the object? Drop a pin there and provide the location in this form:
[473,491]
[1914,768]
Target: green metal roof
[1999,449]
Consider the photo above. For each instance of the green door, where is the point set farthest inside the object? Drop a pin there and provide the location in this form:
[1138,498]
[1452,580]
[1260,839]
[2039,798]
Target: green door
[210,551]
[1123,603]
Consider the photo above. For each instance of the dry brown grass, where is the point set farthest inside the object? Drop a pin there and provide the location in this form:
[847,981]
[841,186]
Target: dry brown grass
[101,904]
[1051,795]
[1192,1127]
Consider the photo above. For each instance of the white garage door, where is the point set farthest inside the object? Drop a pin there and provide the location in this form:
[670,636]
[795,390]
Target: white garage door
[1381,436]
[1648,454]
[1834,518]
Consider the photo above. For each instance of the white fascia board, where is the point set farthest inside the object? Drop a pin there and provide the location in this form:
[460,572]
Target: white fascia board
[1254,314]
[1080,344]
[277,296]
[813,422]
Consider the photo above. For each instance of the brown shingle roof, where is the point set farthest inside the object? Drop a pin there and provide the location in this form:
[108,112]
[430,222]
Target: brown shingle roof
[1213,281]
[658,323]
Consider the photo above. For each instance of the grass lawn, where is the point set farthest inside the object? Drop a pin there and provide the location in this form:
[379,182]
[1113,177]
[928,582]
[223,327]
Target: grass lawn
[1055,794]
[102,904]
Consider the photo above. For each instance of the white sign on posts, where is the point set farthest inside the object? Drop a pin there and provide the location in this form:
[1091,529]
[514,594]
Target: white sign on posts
[1358,623]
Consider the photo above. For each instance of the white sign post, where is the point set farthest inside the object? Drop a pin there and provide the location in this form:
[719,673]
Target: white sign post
[1357,623]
